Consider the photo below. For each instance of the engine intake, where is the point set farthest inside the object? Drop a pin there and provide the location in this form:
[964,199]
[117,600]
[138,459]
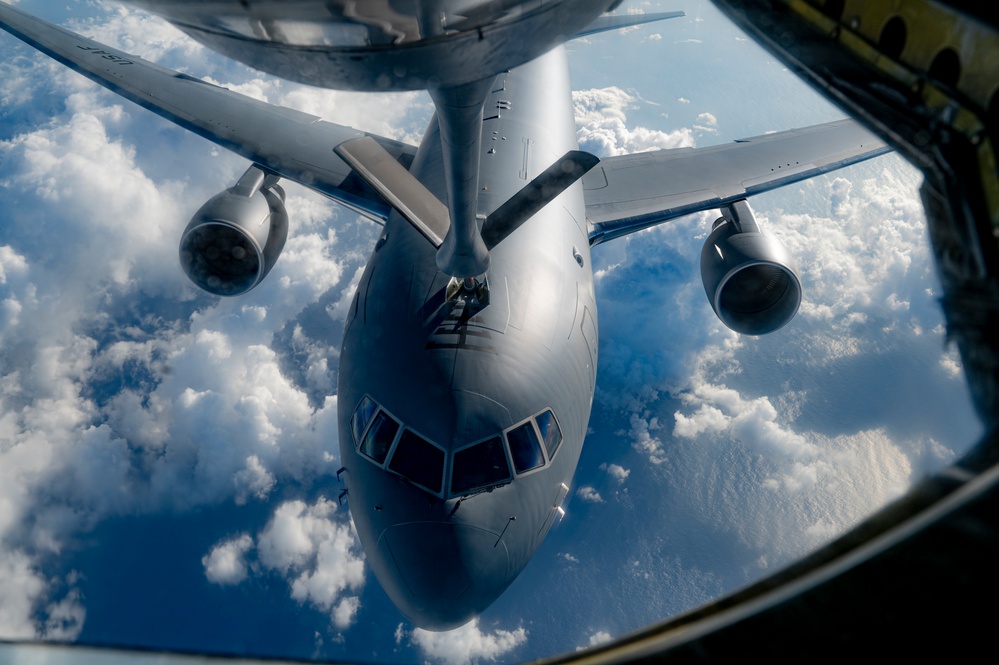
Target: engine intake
[749,277]
[234,240]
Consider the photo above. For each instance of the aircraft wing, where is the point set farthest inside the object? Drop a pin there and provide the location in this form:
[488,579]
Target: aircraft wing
[629,193]
[295,145]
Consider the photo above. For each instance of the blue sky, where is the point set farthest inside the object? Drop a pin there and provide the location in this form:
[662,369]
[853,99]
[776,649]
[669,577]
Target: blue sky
[167,458]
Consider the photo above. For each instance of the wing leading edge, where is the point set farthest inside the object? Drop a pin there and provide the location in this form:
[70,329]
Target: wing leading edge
[633,192]
[295,145]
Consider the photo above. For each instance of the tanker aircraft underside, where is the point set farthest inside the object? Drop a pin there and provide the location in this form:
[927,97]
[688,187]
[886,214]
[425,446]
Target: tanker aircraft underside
[470,349]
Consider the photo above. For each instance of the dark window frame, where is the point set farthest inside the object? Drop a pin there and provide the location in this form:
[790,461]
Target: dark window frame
[541,441]
[445,467]
[558,425]
[537,434]
[395,438]
[511,474]
[364,430]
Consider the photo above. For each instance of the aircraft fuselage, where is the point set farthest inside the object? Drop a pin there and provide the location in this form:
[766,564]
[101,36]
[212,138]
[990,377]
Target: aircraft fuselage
[448,540]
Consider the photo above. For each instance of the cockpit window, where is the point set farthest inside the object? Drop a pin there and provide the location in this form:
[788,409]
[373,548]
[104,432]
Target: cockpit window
[420,461]
[361,416]
[379,438]
[525,448]
[480,465]
[551,434]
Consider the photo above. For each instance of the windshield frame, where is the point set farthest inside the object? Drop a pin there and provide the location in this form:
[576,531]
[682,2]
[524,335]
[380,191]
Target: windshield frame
[486,487]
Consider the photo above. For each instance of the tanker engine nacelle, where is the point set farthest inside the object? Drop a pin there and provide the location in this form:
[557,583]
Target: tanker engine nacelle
[749,277]
[233,241]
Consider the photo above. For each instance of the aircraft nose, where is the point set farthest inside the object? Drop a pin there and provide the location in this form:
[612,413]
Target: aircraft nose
[447,573]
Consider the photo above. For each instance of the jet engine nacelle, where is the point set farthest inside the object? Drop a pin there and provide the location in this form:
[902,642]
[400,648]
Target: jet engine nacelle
[749,277]
[234,240]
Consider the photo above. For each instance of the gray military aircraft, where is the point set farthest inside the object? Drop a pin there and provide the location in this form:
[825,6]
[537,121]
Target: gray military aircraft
[470,350]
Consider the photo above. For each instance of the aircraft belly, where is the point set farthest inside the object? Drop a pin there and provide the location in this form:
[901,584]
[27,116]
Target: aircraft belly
[395,47]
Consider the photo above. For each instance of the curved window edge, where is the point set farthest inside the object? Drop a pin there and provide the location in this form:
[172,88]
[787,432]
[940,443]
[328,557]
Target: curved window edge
[368,415]
[488,486]
[534,449]
[547,455]
[545,438]
[445,465]
[372,454]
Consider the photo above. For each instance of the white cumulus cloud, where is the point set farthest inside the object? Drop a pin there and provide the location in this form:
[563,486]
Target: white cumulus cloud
[319,555]
[599,637]
[124,390]
[345,612]
[823,418]
[616,471]
[465,645]
[601,124]
[253,480]
[226,562]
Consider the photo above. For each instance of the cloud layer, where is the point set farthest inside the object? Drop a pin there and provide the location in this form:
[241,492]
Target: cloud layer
[465,645]
[753,451]
[714,458]
[125,391]
[601,116]
[315,552]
